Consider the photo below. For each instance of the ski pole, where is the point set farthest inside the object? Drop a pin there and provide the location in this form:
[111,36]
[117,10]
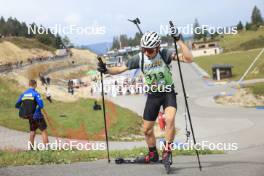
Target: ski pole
[105,125]
[136,22]
[174,36]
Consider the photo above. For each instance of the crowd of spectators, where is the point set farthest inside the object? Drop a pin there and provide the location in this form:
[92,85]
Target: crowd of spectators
[114,86]
[8,66]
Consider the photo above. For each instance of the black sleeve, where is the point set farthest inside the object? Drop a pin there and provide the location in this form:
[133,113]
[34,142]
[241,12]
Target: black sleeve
[166,55]
[133,63]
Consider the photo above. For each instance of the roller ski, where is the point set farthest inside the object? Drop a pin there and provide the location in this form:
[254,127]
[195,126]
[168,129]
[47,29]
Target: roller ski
[150,158]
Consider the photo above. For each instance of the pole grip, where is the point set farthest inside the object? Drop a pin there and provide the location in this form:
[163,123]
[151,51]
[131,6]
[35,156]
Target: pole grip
[99,59]
[171,24]
[174,31]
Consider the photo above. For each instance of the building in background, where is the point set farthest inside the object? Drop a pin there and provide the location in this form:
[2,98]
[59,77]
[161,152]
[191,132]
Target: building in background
[206,48]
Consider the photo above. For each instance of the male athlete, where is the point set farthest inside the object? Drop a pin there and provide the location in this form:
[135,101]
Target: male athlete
[155,62]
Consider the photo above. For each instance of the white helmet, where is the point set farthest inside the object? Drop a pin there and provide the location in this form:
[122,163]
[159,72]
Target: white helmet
[150,40]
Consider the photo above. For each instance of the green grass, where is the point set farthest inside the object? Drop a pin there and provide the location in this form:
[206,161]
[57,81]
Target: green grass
[28,43]
[16,158]
[244,40]
[240,60]
[72,120]
[257,89]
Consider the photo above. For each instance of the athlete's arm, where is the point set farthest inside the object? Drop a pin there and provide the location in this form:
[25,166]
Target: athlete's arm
[185,55]
[39,101]
[116,70]
[45,115]
[132,63]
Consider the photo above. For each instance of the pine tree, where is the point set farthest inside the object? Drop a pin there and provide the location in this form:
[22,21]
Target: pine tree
[66,41]
[58,42]
[256,18]
[240,26]
[124,40]
[24,30]
[2,26]
[137,38]
[197,31]
[205,34]
[13,27]
[115,43]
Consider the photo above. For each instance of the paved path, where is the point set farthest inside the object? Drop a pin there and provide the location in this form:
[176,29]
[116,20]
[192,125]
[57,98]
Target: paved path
[212,122]
[247,163]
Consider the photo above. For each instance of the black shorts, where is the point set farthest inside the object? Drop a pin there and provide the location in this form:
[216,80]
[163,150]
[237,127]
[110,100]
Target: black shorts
[37,124]
[155,101]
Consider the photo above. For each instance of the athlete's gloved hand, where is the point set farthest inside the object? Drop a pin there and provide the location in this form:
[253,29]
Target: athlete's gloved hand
[175,33]
[101,67]
[178,37]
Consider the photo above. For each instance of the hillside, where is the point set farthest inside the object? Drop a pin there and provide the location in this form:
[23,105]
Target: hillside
[75,120]
[244,40]
[20,49]
[83,54]
[13,49]
[70,115]
[239,59]
[239,50]
[28,43]
[60,69]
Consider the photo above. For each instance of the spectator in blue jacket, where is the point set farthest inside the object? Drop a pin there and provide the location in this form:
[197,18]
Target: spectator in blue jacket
[30,107]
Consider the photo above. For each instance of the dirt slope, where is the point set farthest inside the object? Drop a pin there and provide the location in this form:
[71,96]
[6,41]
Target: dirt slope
[10,52]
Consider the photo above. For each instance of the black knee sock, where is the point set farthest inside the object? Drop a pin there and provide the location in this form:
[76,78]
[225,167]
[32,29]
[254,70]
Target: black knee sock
[153,149]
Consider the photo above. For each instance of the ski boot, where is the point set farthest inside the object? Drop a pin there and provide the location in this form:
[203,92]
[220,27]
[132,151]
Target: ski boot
[151,157]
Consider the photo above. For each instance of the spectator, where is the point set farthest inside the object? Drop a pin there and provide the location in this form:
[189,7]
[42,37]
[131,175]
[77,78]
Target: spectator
[48,80]
[70,87]
[96,107]
[42,79]
[48,95]
[31,107]
[92,91]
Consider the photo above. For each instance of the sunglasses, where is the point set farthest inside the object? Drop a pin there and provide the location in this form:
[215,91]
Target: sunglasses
[149,50]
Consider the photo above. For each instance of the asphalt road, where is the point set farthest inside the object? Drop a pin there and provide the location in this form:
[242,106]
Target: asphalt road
[243,163]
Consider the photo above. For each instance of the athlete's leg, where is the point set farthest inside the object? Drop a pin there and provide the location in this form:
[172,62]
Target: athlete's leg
[32,135]
[170,113]
[42,125]
[32,128]
[152,155]
[170,107]
[151,111]
[44,135]
[149,133]
[150,115]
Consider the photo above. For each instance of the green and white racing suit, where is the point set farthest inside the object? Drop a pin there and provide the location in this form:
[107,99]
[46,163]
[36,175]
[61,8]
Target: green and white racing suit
[158,78]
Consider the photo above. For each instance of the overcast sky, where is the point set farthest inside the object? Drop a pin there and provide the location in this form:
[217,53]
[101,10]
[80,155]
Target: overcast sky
[113,14]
